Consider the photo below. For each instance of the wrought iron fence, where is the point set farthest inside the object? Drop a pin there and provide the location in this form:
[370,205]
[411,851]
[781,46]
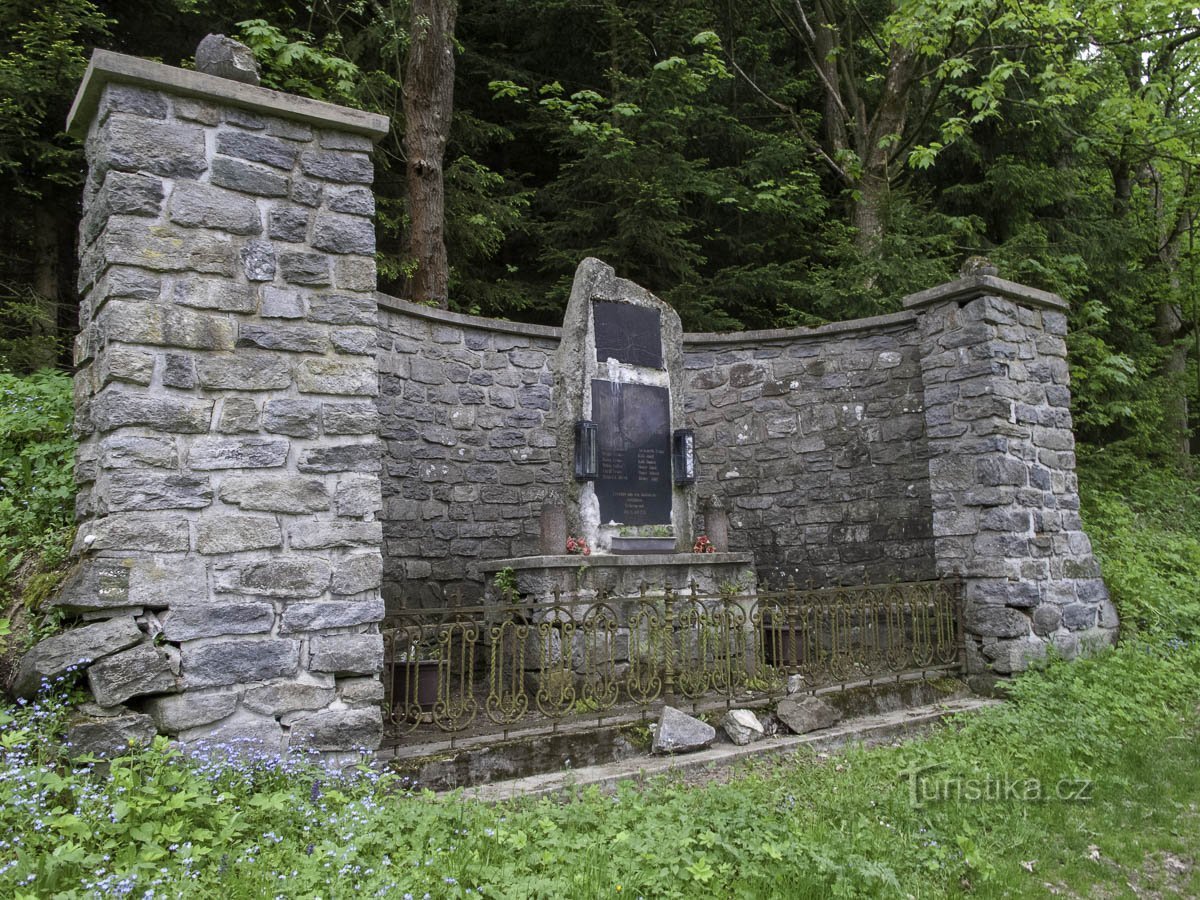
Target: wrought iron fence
[512,665]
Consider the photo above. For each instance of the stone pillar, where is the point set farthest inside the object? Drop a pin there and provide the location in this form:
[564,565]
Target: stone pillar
[229,459]
[1002,473]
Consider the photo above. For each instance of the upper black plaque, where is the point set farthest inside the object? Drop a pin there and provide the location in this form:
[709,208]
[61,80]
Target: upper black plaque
[629,334]
[633,427]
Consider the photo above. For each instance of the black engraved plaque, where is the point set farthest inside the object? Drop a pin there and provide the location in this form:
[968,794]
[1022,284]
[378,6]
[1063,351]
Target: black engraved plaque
[629,334]
[633,425]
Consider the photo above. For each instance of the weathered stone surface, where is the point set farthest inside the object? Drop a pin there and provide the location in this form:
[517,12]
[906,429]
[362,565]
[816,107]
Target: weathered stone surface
[335,376]
[207,293]
[257,148]
[742,726]
[348,168]
[343,309]
[126,364]
[359,495]
[179,712]
[212,619]
[243,370]
[353,417]
[281,697]
[325,534]
[278,303]
[355,201]
[147,532]
[344,234]
[296,418]
[167,325]
[343,458]
[285,576]
[346,654]
[319,615]
[78,647]
[357,341]
[108,736]
[136,144]
[248,178]
[305,268]
[334,730]
[136,489]
[226,58]
[293,338]
[806,714]
[133,241]
[288,223]
[130,673]
[357,573]
[238,414]
[678,732]
[156,582]
[258,260]
[239,662]
[995,621]
[115,408]
[1046,619]
[242,734]
[275,493]
[129,99]
[94,584]
[179,371]
[235,534]
[237,453]
[360,690]
[124,451]
[204,205]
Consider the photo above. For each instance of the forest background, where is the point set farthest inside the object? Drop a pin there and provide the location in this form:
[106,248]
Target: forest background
[757,164]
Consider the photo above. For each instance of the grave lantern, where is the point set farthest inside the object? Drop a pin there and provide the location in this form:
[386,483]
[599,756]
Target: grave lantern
[683,456]
[587,465]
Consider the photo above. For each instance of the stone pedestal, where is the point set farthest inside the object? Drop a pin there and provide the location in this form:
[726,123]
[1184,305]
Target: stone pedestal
[229,457]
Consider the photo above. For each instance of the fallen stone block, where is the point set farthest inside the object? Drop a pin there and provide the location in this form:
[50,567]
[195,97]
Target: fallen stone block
[678,732]
[806,714]
[742,726]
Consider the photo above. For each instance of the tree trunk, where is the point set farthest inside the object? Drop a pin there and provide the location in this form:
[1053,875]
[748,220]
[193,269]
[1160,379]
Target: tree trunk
[428,105]
[47,285]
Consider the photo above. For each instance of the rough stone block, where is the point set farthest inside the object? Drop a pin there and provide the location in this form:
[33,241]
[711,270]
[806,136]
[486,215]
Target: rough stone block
[125,364]
[343,309]
[742,726]
[305,268]
[283,576]
[248,178]
[319,615]
[288,223]
[166,326]
[130,673]
[204,293]
[282,697]
[344,458]
[115,408]
[355,201]
[333,376]
[297,418]
[806,714]
[258,260]
[257,148]
[236,534]
[137,101]
[203,205]
[78,647]
[157,582]
[339,730]
[360,690]
[203,620]
[245,371]
[354,273]
[131,241]
[106,736]
[224,57]
[325,534]
[346,654]
[356,341]
[242,734]
[359,495]
[278,303]
[351,417]
[292,338]
[239,662]
[275,493]
[677,732]
[346,168]
[135,489]
[211,453]
[94,584]
[124,451]
[136,144]
[147,532]
[179,712]
[179,371]
[357,573]
[238,414]
[995,621]
[344,234]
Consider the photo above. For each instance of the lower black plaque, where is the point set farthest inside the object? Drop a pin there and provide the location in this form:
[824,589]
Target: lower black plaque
[633,425]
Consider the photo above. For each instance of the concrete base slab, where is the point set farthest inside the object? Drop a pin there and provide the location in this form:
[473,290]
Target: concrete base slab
[869,730]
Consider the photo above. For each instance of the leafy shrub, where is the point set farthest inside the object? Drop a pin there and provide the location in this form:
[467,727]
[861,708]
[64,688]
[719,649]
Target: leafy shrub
[1144,523]
[37,490]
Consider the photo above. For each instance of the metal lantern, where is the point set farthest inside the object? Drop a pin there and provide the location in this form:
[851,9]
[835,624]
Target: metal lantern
[683,456]
[587,455]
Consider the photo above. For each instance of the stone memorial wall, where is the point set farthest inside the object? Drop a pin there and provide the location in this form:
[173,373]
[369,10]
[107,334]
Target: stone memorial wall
[267,446]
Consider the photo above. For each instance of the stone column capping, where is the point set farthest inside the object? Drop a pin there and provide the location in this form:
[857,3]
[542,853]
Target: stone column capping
[965,289]
[107,67]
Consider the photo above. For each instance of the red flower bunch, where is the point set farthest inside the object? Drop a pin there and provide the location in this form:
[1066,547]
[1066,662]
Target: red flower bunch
[703,545]
[578,546]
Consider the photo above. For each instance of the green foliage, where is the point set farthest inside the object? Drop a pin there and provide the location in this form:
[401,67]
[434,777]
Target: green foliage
[848,826]
[1144,522]
[37,488]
